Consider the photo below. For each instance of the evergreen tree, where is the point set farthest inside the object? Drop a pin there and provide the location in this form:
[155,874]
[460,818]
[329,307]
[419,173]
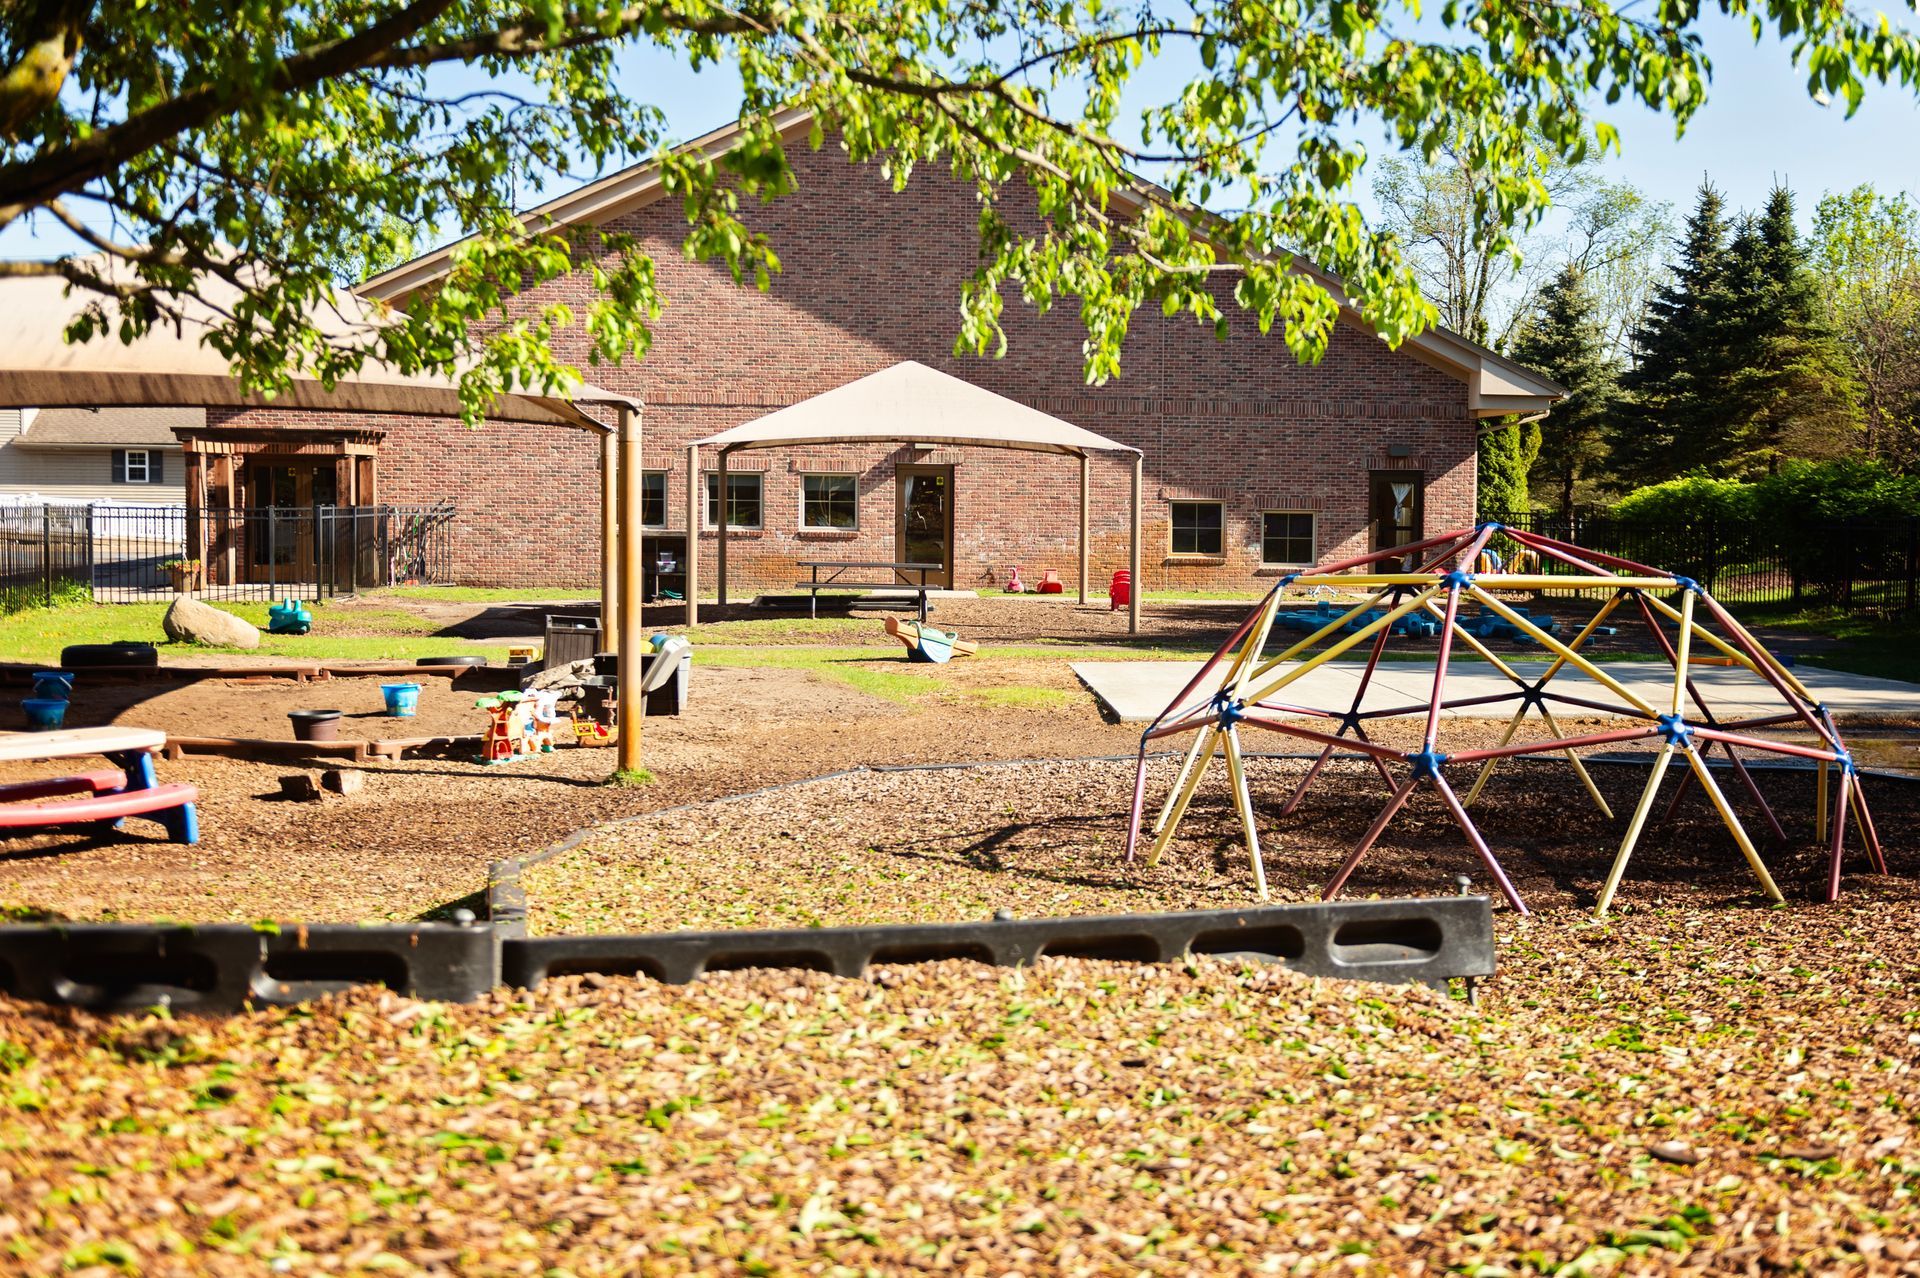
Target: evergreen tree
[1563,338]
[1788,391]
[1506,455]
[1672,416]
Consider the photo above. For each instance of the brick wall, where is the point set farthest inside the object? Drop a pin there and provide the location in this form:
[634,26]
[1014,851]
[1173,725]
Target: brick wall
[872,278]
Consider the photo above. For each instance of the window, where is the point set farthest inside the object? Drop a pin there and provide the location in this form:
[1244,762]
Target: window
[653,499]
[1286,538]
[136,466]
[828,501]
[743,499]
[1196,527]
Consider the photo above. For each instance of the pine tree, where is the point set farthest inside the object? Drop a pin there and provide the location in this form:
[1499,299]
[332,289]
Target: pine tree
[1789,391]
[1672,416]
[1506,455]
[1563,338]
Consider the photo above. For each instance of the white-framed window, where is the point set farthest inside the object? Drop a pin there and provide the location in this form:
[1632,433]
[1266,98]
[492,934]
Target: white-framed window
[1286,538]
[137,466]
[1197,527]
[743,499]
[830,502]
[653,499]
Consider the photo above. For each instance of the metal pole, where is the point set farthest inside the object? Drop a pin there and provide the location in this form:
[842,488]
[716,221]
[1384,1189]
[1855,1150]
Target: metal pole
[609,541]
[46,553]
[722,525]
[693,534]
[630,643]
[1086,467]
[1133,554]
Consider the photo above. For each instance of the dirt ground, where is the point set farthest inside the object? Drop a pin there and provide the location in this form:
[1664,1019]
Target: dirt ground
[420,837]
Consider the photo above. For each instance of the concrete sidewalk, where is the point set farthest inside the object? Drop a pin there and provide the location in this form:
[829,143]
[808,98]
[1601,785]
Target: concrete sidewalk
[1137,691]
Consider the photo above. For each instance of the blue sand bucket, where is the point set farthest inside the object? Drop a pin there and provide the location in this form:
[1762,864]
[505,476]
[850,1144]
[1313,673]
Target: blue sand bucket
[55,685]
[45,713]
[402,699]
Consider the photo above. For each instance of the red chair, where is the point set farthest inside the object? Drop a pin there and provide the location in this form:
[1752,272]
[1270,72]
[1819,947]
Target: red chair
[1049,584]
[1120,593]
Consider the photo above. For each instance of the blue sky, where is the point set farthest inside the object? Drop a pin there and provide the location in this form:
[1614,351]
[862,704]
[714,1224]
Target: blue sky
[1758,126]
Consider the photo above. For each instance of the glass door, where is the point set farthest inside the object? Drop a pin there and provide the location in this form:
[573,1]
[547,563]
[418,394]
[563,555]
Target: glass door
[925,520]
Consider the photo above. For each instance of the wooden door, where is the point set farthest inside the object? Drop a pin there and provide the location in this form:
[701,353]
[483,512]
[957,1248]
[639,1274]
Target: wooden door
[1397,509]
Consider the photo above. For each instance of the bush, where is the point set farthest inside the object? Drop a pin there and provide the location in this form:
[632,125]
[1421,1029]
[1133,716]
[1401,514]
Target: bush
[1815,492]
[1691,499]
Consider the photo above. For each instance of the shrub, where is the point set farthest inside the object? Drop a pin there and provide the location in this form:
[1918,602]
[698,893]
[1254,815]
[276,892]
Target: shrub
[1814,492]
[1690,499]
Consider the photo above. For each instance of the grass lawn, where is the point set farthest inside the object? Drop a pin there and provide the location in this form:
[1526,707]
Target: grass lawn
[1884,649]
[38,634]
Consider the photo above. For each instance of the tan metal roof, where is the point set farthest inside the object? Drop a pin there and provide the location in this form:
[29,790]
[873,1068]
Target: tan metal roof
[910,403]
[109,427]
[172,365]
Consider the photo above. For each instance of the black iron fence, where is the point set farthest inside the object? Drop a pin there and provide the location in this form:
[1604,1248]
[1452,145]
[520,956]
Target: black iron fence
[116,553]
[1858,565]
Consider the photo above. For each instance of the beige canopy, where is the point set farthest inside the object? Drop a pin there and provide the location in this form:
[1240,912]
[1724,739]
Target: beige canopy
[909,403]
[175,366]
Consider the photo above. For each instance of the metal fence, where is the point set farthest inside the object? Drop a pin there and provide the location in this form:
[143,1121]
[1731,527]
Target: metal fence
[1863,566]
[118,553]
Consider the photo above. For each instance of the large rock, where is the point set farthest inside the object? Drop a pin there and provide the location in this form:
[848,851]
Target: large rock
[190,621]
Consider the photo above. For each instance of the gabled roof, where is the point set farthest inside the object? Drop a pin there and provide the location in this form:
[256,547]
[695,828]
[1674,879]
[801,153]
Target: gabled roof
[910,403]
[174,364]
[108,427]
[1496,385]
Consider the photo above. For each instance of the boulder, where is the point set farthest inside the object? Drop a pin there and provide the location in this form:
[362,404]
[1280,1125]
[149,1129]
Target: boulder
[190,621]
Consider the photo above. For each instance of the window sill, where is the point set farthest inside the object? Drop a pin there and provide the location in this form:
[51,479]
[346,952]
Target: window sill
[733,534]
[828,534]
[1195,561]
[1281,570]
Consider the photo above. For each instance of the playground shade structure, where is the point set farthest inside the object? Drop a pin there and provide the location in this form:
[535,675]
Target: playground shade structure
[1240,686]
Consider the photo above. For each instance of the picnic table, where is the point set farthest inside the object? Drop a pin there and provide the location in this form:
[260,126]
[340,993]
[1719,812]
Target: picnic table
[106,796]
[837,568]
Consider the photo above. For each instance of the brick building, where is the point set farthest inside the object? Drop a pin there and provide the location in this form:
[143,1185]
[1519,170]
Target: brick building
[1254,463]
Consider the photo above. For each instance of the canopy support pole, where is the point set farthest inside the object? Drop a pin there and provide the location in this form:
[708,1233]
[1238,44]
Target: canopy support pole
[693,534]
[631,644]
[1133,553]
[609,541]
[1086,465]
[722,525]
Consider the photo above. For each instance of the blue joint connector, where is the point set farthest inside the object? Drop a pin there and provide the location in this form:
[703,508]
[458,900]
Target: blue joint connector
[1494,524]
[1846,763]
[1426,764]
[1457,580]
[1230,709]
[1674,729]
[1688,584]
[1289,579]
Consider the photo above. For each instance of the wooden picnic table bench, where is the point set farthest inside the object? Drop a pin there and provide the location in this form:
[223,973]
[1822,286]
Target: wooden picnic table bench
[105,797]
[838,567]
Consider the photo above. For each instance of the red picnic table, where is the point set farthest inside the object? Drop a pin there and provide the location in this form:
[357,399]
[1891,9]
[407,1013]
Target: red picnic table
[105,797]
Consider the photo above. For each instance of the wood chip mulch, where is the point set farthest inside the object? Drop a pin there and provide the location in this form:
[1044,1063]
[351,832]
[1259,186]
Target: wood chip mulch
[1683,1091]
[1049,838]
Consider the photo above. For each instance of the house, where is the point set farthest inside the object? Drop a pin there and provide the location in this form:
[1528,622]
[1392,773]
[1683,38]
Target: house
[1254,464]
[124,455]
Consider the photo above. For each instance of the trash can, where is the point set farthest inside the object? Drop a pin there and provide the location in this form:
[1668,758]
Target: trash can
[671,696]
[570,639]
